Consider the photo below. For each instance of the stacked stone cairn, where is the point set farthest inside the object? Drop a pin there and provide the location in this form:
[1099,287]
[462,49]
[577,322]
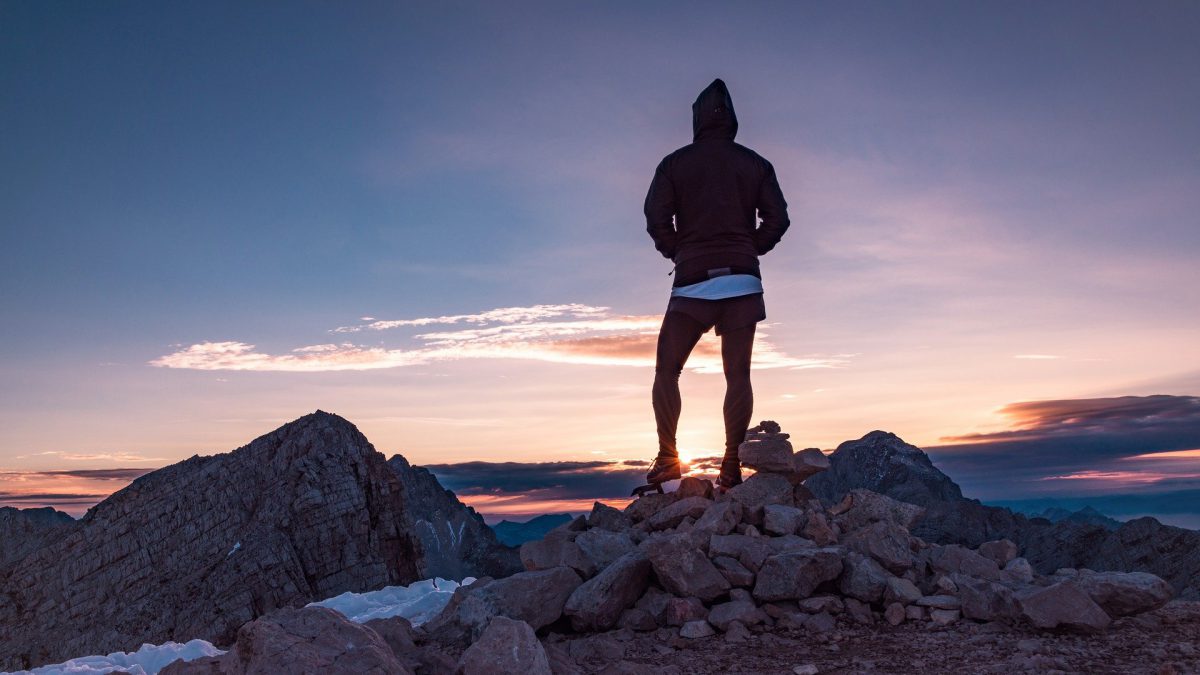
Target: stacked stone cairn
[766,555]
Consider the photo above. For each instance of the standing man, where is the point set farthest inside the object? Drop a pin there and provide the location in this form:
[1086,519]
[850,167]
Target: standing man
[700,211]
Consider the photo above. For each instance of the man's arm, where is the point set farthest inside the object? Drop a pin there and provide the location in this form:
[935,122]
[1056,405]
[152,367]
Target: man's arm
[660,212]
[773,210]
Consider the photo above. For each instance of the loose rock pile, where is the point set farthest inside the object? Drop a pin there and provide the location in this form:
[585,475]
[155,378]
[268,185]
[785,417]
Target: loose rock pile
[767,553]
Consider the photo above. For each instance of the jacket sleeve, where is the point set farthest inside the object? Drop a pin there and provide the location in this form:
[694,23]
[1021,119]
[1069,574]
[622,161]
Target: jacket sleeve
[772,209]
[660,212]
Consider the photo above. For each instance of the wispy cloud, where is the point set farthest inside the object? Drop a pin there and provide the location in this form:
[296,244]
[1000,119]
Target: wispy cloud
[570,334]
[93,456]
[1037,357]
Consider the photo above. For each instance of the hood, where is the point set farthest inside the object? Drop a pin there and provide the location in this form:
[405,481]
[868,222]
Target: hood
[712,113]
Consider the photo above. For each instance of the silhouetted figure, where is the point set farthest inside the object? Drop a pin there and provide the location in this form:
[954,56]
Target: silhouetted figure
[700,211]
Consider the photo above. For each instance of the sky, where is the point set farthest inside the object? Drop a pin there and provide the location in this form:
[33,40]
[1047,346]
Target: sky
[427,218]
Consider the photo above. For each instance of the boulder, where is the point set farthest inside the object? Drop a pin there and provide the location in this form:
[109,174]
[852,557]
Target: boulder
[1018,570]
[831,604]
[940,602]
[1001,551]
[536,598]
[1124,593]
[985,600]
[682,610]
[769,453]
[637,620]
[1062,606]
[862,578]
[734,571]
[795,575]
[601,547]
[696,629]
[781,519]
[821,622]
[597,603]
[673,514]
[955,558]
[818,529]
[506,647]
[742,611]
[860,508]
[885,541]
[647,505]
[859,612]
[894,614]
[606,517]
[690,486]
[556,549]
[901,590]
[944,617]
[758,491]
[683,569]
[654,602]
[750,551]
[720,518]
[808,462]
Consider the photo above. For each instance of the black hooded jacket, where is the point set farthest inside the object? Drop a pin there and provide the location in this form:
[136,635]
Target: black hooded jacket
[701,206]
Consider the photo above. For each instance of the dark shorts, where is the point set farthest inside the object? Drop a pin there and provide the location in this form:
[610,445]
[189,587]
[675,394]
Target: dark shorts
[727,314]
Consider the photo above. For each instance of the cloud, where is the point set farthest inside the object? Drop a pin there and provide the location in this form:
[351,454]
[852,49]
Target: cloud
[98,474]
[1087,444]
[569,334]
[541,481]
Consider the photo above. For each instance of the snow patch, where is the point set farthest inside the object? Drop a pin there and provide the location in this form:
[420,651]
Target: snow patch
[146,661]
[418,602]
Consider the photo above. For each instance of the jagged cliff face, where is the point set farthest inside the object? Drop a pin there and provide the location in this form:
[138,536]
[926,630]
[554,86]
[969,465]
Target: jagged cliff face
[22,530]
[195,549]
[883,463]
[456,541]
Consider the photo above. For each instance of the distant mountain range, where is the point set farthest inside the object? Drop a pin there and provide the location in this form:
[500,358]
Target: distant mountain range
[515,534]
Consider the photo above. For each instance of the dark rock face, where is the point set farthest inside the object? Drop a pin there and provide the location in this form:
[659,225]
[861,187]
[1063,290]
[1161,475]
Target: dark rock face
[198,548]
[456,541]
[515,534]
[881,462]
[22,530]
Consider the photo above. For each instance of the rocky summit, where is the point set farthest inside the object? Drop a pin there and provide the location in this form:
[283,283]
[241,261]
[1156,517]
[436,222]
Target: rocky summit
[883,463]
[198,548]
[763,578]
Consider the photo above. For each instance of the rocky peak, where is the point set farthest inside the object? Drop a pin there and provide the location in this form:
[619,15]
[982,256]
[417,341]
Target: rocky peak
[22,530]
[882,462]
[456,541]
[197,548]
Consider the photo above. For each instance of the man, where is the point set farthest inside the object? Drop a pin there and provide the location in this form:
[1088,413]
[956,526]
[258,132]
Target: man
[700,212]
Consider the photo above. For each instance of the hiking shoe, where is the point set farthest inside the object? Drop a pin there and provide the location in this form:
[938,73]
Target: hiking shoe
[731,475]
[665,469]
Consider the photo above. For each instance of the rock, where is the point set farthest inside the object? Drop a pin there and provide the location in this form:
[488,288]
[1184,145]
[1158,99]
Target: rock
[758,491]
[743,611]
[805,669]
[734,571]
[795,575]
[397,632]
[884,541]
[719,518]
[556,549]
[750,551]
[637,619]
[561,662]
[606,517]
[1064,606]
[300,514]
[817,528]
[821,622]
[690,486]
[883,463]
[914,613]
[822,603]
[696,629]
[1124,593]
[862,578]
[944,617]
[1018,570]
[673,514]
[1001,551]
[601,547]
[894,614]
[536,598]
[954,558]
[781,519]
[309,639]
[647,505]
[789,543]
[507,647]
[903,591]
[808,462]
[940,602]
[859,612]
[985,600]
[654,602]
[683,569]
[736,632]
[768,453]
[860,508]
[682,610]
[597,603]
